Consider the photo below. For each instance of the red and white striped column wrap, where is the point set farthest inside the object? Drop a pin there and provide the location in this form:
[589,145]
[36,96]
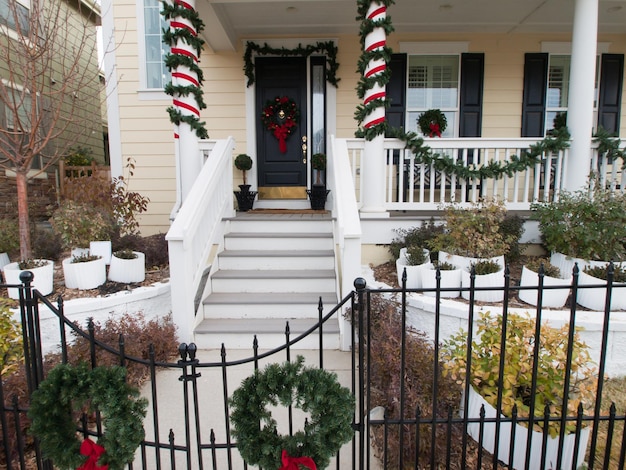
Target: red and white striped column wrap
[374,41]
[182,75]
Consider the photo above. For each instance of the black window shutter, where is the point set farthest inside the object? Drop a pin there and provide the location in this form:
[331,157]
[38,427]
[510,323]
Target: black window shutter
[471,94]
[534,101]
[396,91]
[610,100]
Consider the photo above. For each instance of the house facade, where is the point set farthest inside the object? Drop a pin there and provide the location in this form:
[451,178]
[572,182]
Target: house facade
[35,92]
[504,73]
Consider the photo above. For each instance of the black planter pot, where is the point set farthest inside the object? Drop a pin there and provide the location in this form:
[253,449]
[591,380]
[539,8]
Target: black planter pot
[245,197]
[317,195]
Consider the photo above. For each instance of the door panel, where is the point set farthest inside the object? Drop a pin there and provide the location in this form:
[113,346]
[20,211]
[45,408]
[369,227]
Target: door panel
[281,174]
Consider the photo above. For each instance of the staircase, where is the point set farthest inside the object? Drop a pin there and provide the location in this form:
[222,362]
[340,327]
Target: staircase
[273,270]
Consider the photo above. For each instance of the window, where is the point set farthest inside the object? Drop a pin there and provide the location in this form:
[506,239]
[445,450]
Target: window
[156,73]
[433,82]
[14,13]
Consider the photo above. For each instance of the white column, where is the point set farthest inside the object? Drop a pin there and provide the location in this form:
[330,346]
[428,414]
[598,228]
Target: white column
[189,161]
[373,164]
[581,93]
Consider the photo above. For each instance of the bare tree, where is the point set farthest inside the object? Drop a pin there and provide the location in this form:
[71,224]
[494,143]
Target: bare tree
[49,92]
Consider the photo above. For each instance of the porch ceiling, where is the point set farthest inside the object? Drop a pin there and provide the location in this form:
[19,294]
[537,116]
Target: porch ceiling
[228,21]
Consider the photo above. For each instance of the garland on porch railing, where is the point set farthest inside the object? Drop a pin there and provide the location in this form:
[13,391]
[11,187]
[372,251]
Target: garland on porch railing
[559,140]
[182,33]
[609,145]
[329,48]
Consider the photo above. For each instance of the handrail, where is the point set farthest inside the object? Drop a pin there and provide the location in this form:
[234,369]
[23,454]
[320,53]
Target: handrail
[196,229]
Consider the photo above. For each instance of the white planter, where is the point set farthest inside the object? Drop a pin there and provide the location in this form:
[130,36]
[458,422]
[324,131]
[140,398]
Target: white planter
[84,276]
[4,260]
[551,298]
[43,280]
[484,280]
[521,439]
[566,263]
[413,272]
[595,297]
[128,270]
[465,262]
[101,248]
[449,279]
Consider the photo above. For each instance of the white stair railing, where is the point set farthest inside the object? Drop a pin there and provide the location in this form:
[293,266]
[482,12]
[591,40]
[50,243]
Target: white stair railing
[196,230]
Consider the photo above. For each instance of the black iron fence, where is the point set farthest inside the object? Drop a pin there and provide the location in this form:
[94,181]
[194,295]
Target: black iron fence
[414,388]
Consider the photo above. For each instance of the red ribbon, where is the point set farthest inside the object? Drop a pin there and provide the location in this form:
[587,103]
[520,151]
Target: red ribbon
[293,463]
[281,133]
[434,130]
[93,452]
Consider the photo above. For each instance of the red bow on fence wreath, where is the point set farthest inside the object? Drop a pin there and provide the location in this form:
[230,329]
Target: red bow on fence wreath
[434,130]
[93,452]
[293,463]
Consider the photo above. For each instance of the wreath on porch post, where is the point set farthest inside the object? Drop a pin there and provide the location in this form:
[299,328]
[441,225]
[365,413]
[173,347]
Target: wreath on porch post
[280,116]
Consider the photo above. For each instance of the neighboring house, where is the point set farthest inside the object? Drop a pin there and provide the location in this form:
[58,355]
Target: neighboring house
[501,71]
[68,19]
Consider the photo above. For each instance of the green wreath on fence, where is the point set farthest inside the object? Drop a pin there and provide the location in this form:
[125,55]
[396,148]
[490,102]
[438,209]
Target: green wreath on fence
[65,391]
[315,391]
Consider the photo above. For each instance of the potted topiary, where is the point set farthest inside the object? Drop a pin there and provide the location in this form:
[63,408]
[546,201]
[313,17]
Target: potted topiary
[43,272]
[84,271]
[127,266]
[318,192]
[245,197]
[550,298]
[517,389]
[583,227]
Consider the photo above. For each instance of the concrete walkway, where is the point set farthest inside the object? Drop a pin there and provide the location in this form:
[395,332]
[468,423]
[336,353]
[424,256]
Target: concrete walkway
[211,407]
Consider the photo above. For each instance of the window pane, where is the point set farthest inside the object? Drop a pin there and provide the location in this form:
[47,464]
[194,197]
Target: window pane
[450,118]
[157,74]
[154,76]
[154,48]
[558,81]
[7,15]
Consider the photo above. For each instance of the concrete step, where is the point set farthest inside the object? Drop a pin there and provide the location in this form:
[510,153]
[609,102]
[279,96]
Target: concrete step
[274,280]
[270,333]
[278,241]
[276,259]
[267,305]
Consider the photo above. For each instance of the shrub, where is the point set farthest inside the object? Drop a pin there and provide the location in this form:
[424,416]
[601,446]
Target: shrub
[79,156]
[31,263]
[518,367]
[476,232]
[80,223]
[485,267]
[47,244]
[602,272]
[415,237]
[415,255]
[512,229]
[444,266]
[11,349]
[585,225]
[9,236]
[125,254]
[84,258]
[154,247]
[535,263]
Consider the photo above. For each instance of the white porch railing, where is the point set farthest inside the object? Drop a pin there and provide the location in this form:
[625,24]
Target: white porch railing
[197,229]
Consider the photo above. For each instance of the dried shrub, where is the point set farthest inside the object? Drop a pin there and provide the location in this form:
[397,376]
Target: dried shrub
[385,383]
[47,244]
[154,247]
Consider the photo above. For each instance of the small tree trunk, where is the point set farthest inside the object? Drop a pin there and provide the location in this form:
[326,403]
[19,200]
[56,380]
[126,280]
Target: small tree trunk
[22,215]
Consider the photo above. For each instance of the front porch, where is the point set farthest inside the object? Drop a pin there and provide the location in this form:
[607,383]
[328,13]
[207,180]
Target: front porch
[411,192]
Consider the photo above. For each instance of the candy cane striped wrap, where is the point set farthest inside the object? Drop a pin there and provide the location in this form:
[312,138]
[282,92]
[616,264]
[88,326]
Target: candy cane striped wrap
[375,40]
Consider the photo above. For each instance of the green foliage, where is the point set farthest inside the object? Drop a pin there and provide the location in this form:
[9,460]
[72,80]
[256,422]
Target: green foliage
[315,391]
[444,266]
[11,349]
[535,263]
[609,146]
[125,254]
[485,266]
[590,226]
[512,229]
[516,380]
[9,235]
[415,255]
[475,232]
[421,236]
[327,48]
[80,223]
[243,162]
[79,156]
[31,263]
[386,375]
[602,272]
[68,388]
[318,161]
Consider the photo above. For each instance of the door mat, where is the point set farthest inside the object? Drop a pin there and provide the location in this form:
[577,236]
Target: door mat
[287,211]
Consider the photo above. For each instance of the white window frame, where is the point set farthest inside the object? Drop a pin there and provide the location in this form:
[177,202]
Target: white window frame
[145,93]
[6,29]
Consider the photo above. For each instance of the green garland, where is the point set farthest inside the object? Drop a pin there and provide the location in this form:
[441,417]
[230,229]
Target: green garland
[315,391]
[173,61]
[66,389]
[327,48]
[609,145]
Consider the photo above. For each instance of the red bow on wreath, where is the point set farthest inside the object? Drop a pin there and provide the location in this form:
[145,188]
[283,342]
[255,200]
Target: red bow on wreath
[93,452]
[434,130]
[293,463]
